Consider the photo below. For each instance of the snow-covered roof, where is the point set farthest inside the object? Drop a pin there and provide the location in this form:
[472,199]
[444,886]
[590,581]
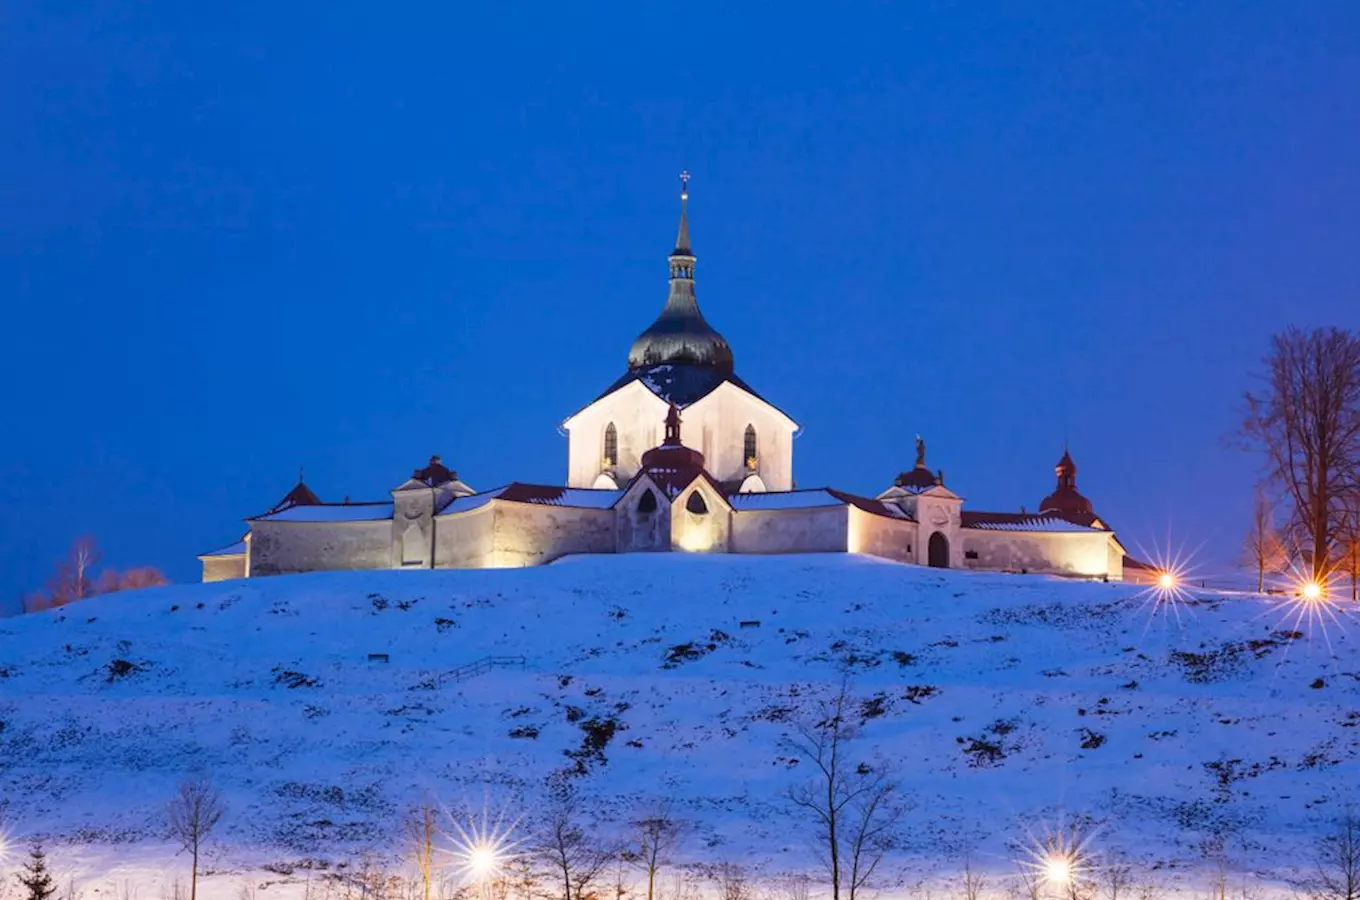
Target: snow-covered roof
[767,500]
[469,502]
[539,494]
[549,495]
[811,499]
[331,512]
[1022,522]
[236,549]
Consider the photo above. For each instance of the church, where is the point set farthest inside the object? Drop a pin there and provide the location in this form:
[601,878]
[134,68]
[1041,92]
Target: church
[677,454]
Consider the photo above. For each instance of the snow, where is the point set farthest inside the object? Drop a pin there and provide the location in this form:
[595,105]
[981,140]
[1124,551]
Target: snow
[470,502]
[582,498]
[1002,702]
[1034,524]
[784,500]
[235,549]
[332,512]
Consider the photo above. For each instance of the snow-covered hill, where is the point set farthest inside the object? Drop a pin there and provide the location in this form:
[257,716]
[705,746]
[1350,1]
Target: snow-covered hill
[1005,704]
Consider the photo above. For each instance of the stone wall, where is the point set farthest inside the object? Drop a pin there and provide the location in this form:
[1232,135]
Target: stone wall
[465,540]
[635,531]
[882,536]
[1055,553]
[529,534]
[279,548]
[221,568]
[817,530]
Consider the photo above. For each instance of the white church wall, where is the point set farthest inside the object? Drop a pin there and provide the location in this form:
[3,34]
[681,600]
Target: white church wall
[707,532]
[638,416]
[822,529]
[882,536]
[278,548]
[716,426]
[1054,553]
[465,540]
[528,534]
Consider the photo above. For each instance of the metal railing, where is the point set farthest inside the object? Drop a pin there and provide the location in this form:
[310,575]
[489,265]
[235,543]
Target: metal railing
[480,667]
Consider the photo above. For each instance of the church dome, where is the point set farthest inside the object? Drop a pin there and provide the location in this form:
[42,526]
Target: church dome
[680,335]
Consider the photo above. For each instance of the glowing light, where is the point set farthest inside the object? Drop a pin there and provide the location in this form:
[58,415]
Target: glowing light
[696,540]
[1058,870]
[481,850]
[1307,606]
[1167,592]
[1059,859]
[483,861]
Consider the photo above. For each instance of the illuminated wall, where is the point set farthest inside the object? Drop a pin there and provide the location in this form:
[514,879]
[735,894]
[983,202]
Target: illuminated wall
[221,568]
[877,535]
[818,530]
[708,532]
[1086,553]
[528,534]
[278,548]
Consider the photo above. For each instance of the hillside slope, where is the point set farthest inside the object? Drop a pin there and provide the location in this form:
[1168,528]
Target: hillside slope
[1003,702]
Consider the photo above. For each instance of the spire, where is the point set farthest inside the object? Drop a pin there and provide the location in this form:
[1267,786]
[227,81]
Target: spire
[680,335]
[673,426]
[682,238]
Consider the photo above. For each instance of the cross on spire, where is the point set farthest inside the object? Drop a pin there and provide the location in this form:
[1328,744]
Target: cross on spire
[682,238]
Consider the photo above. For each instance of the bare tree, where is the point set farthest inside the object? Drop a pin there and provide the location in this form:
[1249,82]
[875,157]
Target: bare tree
[563,847]
[1337,875]
[1117,882]
[1264,550]
[1307,421]
[853,804]
[731,880]
[1349,541]
[421,830]
[111,581]
[74,579]
[659,835]
[192,815]
[974,882]
[796,887]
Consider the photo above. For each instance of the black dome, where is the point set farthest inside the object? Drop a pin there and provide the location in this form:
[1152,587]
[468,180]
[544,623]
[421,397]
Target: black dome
[680,335]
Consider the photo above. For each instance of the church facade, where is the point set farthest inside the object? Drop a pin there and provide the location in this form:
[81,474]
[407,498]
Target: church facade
[677,454]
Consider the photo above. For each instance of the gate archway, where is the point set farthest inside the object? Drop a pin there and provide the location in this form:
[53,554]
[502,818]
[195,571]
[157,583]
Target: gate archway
[937,551]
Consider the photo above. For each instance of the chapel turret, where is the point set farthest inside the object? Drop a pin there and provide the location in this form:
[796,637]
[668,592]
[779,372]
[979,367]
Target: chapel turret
[1066,498]
[680,334]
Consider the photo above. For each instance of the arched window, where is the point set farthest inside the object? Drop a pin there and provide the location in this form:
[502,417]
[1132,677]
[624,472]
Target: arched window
[749,450]
[647,504]
[696,504]
[611,445]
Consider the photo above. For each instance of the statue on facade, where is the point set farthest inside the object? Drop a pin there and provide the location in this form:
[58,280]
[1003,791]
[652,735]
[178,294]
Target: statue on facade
[920,452]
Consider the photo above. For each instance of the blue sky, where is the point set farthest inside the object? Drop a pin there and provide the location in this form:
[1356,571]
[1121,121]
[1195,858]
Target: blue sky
[239,240]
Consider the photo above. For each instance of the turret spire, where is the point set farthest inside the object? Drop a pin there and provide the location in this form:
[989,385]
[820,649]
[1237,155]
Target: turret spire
[682,238]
